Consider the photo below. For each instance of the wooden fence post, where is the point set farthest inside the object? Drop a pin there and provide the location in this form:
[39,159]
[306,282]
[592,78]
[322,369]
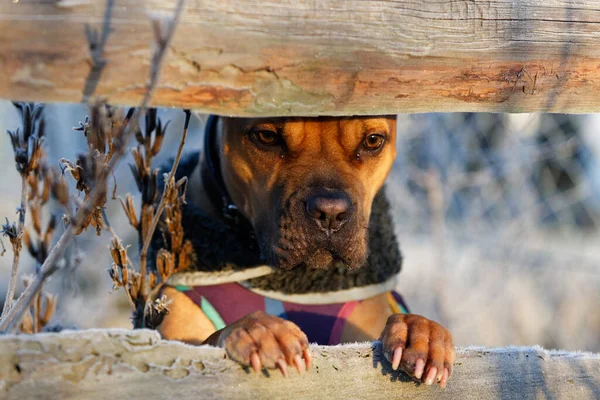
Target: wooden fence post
[336,57]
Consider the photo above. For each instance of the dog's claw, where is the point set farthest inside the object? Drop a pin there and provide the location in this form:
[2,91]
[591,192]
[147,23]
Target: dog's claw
[419,367]
[431,376]
[444,379]
[440,373]
[307,358]
[396,358]
[299,364]
[283,368]
[255,362]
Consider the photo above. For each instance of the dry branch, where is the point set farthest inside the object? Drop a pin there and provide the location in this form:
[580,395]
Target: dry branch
[14,272]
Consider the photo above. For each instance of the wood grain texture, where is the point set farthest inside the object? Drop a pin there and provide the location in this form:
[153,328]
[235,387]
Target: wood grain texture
[119,364]
[335,57]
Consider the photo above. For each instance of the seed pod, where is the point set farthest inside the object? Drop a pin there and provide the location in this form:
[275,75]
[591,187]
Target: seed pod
[164,264]
[60,190]
[29,244]
[27,324]
[151,280]
[47,188]
[118,253]
[49,308]
[35,210]
[159,136]
[129,209]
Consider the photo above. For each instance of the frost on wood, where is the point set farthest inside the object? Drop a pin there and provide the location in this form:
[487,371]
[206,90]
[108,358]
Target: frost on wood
[104,364]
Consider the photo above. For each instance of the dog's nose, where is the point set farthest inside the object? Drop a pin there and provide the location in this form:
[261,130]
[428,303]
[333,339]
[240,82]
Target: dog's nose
[329,210]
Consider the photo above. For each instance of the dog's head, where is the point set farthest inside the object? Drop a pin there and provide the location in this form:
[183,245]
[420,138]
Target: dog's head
[307,184]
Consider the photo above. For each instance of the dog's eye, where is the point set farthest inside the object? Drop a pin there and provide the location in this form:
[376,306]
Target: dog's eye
[374,142]
[265,137]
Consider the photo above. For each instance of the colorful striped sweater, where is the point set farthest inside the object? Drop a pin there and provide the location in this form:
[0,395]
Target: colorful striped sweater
[322,323]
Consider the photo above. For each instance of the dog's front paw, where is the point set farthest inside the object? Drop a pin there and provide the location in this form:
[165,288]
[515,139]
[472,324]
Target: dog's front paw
[261,340]
[420,347]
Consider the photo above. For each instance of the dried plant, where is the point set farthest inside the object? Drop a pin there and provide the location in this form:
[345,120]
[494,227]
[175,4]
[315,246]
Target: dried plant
[27,143]
[107,136]
[27,147]
[146,179]
[103,132]
[38,241]
[39,314]
[40,183]
[121,274]
[142,286]
[96,43]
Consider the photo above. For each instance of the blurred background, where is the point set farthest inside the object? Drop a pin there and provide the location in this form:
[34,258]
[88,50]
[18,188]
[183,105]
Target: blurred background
[497,215]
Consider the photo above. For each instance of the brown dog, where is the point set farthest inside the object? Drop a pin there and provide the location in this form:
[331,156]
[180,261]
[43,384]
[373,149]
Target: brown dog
[307,185]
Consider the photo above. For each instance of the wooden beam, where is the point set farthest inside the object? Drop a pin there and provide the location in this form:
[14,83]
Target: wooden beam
[119,364]
[290,57]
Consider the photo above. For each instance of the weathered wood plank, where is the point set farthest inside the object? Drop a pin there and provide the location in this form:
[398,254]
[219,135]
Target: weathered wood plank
[289,57]
[107,364]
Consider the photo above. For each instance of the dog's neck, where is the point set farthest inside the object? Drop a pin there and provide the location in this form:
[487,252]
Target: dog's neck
[214,191]
[206,187]
[197,194]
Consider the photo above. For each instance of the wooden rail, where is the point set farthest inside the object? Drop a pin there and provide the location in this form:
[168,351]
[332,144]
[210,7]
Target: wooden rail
[118,364]
[290,57]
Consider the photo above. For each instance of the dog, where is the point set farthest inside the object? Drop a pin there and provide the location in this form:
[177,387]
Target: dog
[305,187]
